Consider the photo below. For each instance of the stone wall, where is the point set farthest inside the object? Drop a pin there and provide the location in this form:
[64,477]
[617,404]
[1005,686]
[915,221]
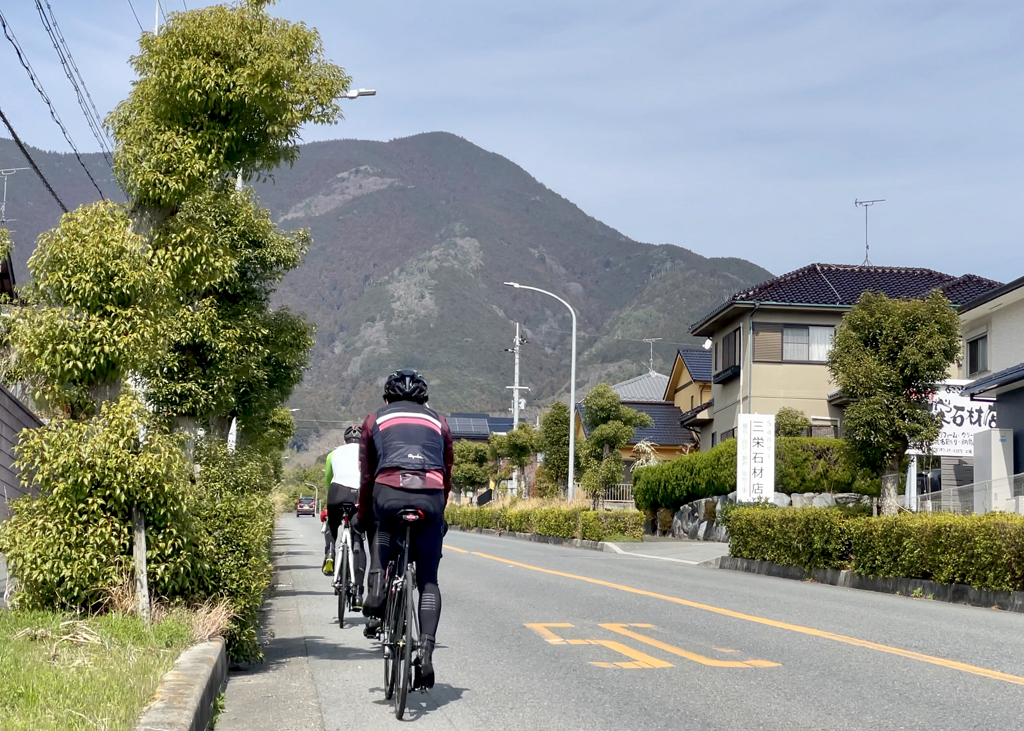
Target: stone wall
[698,520]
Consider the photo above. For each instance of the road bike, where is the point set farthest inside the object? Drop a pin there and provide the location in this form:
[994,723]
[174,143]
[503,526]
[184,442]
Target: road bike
[400,629]
[345,585]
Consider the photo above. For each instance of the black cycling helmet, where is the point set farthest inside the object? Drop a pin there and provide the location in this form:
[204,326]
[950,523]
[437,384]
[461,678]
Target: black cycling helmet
[352,434]
[405,385]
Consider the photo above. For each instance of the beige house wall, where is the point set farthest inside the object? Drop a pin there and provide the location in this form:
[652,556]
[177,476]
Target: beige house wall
[1002,320]
[767,387]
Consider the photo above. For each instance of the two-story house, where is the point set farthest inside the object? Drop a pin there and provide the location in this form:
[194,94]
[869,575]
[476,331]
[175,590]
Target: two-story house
[769,344]
[689,388]
[993,330]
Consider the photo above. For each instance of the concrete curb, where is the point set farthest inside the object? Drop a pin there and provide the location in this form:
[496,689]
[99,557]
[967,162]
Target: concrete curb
[535,538]
[184,700]
[1011,601]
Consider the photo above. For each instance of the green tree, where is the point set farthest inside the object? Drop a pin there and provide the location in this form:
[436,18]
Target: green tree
[790,422]
[887,356]
[472,467]
[519,448]
[553,442]
[610,427]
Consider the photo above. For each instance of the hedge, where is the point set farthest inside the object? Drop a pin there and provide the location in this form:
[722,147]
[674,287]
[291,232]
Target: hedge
[802,464]
[983,551]
[582,523]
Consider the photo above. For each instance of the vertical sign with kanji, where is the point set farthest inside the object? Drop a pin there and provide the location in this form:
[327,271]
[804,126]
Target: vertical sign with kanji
[755,458]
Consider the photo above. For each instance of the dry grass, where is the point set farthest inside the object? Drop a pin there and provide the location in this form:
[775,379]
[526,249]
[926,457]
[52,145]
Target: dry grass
[210,620]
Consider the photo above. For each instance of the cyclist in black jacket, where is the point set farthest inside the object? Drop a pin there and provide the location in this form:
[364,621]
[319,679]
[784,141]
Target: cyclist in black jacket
[405,459]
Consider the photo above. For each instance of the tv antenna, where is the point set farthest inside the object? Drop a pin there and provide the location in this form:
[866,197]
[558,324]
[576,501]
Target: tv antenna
[651,342]
[6,173]
[866,205]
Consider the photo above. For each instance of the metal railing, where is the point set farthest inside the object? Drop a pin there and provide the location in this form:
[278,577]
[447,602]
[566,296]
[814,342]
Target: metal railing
[985,496]
[958,500]
[623,492]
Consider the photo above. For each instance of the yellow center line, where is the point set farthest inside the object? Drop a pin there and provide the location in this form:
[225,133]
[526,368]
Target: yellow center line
[453,548]
[921,657]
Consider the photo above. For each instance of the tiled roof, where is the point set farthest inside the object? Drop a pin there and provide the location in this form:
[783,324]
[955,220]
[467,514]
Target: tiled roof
[1002,379]
[665,431]
[698,363]
[688,415]
[843,284]
[648,387]
[991,294]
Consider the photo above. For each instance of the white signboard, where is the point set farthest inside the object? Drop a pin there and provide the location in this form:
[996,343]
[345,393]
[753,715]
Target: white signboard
[961,419]
[755,458]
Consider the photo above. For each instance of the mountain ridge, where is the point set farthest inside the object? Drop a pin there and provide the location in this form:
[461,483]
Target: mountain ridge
[412,240]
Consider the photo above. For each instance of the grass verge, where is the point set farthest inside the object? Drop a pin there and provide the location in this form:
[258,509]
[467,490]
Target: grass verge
[70,673]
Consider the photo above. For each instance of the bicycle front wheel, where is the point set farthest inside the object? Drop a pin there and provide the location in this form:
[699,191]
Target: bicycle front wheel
[405,670]
[341,587]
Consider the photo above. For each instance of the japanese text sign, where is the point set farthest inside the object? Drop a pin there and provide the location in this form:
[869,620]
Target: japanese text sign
[961,419]
[755,458]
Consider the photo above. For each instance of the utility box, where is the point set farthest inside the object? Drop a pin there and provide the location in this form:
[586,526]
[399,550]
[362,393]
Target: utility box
[993,470]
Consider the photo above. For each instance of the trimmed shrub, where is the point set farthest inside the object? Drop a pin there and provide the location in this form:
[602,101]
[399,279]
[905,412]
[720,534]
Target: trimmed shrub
[697,475]
[234,516]
[561,522]
[983,551]
[812,538]
[802,464]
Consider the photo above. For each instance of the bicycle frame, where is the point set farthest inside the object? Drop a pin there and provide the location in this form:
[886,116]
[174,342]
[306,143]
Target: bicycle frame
[345,539]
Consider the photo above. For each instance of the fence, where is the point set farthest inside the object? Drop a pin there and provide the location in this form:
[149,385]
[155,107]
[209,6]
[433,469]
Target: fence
[619,497]
[1004,494]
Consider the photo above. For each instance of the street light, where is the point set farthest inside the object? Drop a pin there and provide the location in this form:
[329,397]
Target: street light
[356,93]
[316,493]
[572,386]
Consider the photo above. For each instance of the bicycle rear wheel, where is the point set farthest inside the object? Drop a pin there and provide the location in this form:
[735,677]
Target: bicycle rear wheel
[341,589]
[389,641]
[405,665]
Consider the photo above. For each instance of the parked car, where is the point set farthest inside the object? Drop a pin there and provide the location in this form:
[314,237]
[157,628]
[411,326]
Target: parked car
[305,506]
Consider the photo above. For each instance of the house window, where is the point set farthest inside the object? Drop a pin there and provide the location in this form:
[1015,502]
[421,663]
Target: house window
[806,344]
[714,438]
[977,355]
[793,343]
[731,350]
[729,434]
[691,403]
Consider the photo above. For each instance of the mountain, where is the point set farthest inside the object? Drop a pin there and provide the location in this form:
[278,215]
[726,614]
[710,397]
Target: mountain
[413,239]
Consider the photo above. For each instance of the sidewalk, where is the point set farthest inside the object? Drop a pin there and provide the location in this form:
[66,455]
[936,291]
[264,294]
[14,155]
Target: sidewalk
[279,694]
[676,550]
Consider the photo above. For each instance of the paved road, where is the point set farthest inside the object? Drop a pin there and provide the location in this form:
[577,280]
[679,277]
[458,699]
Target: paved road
[537,636]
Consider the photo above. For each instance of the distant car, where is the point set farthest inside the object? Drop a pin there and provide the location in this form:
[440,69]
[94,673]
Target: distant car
[305,506]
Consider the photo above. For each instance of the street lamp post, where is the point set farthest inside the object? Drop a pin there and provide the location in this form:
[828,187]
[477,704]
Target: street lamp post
[316,493]
[572,386]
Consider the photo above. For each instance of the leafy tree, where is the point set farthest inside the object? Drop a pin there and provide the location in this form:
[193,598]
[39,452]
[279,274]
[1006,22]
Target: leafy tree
[610,427]
[887,356]
[472,467]
[518,447]
[553,442]
[221,90]
[94,310]
[790,422]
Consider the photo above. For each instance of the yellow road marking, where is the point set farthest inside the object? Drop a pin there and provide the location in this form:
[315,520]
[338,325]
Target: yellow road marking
[641,661]
[621,629]
[453,548]
[543,631]
[932,660]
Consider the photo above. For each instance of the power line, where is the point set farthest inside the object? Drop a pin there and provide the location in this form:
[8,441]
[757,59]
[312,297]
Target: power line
[136,16]
[49,22]
[53,112]
[184,6]
[18,142]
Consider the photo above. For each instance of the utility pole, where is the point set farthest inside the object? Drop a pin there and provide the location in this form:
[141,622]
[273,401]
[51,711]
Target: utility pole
[651,342]
[6,173]
[516,388]
[866,205]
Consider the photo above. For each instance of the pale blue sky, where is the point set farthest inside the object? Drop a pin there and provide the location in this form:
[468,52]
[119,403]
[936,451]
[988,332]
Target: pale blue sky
[741,128]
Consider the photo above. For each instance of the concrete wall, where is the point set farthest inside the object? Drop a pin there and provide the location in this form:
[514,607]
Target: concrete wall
[13,418]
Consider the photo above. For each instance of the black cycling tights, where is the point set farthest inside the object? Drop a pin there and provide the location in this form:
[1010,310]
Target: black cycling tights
[425,548]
